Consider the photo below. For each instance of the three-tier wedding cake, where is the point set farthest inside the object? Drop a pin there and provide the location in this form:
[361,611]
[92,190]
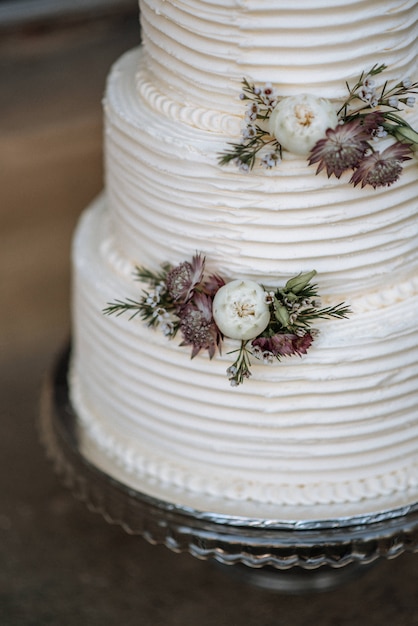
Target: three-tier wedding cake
[249,143]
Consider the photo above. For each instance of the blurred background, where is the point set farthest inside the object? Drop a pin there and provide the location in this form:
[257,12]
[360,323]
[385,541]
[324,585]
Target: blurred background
[60,564]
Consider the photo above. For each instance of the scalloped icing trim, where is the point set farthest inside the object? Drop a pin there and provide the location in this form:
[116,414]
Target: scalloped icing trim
[202,118]
[198,117]
[142,467]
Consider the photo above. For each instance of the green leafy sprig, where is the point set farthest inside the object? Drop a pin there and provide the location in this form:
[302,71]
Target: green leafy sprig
[154,306]
[180,299]
[385,101]
[374,110]
[255,138]
[293,309]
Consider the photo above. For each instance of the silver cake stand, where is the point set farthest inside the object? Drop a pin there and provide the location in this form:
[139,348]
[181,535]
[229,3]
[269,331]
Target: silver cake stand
[291,557]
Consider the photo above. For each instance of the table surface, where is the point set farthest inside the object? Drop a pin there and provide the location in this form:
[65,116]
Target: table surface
[61,564]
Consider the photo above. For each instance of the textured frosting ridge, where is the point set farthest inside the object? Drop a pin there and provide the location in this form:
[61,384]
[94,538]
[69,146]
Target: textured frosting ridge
[262,225]
[382,297]
[202,49]
[338,427]
[352,419]
[143,464]
[199,117]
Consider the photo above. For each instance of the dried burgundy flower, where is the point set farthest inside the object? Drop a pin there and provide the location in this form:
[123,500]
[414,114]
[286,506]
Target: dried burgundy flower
[302,344]
[197,325]
[283,344]
[381,169]
[341,149]
[212,284]
[372,121]
[184,278]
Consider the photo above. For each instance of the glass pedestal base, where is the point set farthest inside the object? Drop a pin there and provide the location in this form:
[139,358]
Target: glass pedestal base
[279,556]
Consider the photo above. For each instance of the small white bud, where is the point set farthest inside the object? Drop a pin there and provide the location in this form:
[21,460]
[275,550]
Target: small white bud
[298,122]
[240,310]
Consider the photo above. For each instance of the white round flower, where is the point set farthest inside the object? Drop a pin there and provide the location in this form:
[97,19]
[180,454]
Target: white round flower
[240,309]
[298,122]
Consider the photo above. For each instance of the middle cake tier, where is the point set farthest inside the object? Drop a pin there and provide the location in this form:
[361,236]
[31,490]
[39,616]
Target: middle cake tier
[168,195]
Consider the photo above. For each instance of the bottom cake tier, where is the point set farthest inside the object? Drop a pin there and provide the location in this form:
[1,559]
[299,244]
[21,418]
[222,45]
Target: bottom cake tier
[332,434]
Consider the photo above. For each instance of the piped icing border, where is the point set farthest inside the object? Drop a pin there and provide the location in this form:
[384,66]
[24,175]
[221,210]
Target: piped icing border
[202,118]
[338,137]
[143,465]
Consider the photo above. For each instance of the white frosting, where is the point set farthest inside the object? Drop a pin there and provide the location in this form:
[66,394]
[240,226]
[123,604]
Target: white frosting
[337,426]
[330,434]
[261,225]
[199,51]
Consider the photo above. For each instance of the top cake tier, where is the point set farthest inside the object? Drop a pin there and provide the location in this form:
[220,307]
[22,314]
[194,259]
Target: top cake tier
[198,48]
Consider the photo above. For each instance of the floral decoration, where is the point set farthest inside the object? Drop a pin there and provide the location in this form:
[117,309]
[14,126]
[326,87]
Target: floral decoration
[336,140]
[268,322]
